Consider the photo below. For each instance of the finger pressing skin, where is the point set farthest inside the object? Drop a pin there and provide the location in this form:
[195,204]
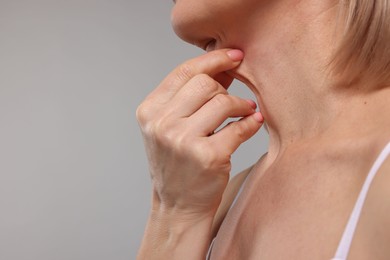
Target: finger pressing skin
[211,115]
[198,91]
[234,134]
[212,64]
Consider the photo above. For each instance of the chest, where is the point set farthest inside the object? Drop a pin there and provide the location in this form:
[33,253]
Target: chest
[291,212]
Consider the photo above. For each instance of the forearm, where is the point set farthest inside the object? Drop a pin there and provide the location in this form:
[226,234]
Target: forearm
[170,236]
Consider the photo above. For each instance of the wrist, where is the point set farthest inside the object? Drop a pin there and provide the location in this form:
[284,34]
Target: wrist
[179,210]
[173,235]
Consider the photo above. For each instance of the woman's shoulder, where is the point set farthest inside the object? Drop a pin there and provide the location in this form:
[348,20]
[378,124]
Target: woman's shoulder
[379,194]
[373,230]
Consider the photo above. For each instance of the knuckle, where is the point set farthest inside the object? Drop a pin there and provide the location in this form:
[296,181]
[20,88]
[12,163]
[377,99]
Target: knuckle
[185,71]
[204,83]
[167,139]
[222,100]
[167,134]
[161,132]
[240,129]
[205,156]
[142,114]
[152,129]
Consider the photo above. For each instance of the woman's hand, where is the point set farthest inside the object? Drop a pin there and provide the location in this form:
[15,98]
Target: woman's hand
[189,163]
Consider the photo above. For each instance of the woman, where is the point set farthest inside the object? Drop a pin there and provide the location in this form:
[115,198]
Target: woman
[320,71]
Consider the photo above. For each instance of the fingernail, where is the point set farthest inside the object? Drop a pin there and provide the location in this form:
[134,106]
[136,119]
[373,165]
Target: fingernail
[235,55]
[252,103]
[258,117]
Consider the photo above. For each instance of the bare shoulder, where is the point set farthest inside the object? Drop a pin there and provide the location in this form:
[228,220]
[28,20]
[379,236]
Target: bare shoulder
[230,193]
[373,231]
[380,196]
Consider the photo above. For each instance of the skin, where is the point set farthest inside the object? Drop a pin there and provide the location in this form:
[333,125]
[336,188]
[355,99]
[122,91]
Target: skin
[189,166]
[323,139]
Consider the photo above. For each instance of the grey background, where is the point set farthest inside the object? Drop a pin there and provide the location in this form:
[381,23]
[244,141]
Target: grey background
[73,175]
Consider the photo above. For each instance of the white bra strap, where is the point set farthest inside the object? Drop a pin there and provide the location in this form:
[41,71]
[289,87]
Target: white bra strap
[346,240]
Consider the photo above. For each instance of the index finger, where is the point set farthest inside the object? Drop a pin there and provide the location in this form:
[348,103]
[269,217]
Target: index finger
[212,64]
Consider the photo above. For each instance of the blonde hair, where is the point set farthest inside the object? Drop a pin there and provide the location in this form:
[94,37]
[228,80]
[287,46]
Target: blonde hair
[364,51]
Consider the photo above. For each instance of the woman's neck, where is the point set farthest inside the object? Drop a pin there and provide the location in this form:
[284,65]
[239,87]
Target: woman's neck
[288,70]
